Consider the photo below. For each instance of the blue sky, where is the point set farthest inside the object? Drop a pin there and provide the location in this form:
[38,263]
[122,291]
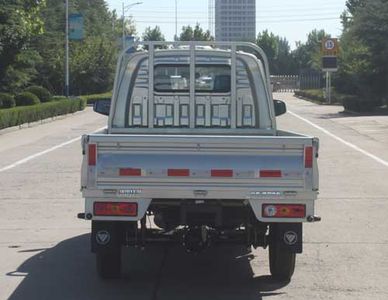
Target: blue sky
[290,19]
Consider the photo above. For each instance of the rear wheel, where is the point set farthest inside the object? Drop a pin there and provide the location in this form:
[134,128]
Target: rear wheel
[281,260]
[108,262]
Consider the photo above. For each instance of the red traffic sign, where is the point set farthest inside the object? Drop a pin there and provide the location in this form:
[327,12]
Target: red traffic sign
[330,47]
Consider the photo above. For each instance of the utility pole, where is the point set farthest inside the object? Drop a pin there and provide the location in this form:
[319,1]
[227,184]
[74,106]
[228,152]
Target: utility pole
[176,20]
[211,16]
[67,89]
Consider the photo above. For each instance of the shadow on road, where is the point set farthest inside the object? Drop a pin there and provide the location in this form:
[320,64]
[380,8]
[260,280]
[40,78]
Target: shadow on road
[346,114]
[67,271]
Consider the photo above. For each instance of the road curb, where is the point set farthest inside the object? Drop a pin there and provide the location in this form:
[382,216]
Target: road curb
[317,101]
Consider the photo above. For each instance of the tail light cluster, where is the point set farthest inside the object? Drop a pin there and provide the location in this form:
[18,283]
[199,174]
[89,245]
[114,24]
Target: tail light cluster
[284,210]
[115,209]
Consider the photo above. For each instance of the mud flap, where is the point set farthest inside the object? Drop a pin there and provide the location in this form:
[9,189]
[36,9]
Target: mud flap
[105,235]
[289,236]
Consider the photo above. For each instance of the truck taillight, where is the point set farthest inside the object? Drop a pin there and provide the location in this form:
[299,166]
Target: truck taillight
[92,154]
[284,210]
[308,157]
[115,209]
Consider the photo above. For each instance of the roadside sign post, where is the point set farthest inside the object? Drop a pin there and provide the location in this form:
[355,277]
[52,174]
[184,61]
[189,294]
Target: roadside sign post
[74,31]
[328,87]
[330,50]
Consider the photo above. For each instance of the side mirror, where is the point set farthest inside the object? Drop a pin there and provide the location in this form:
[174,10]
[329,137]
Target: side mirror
[280,107]
[102,106]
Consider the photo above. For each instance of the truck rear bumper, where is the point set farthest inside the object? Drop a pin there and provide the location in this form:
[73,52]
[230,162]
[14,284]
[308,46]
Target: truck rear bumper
[245,197]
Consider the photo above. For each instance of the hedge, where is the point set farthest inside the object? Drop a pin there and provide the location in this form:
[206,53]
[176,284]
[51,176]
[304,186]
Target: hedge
[90,99]
[316,95]
[26,98]
[7,100]
[350,102]
[43,94]
[28,114]
[357,104]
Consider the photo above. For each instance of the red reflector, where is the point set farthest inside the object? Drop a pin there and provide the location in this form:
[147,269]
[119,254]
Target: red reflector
[270,173]
[92,154]
[130,172]
[284,210]
[308,157]
[115,209]
[222,173]
[178,172]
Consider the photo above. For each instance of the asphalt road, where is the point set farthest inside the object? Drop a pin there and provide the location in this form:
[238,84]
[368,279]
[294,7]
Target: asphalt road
[44,249]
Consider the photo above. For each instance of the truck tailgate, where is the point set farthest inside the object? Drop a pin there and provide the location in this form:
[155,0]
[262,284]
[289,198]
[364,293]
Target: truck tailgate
[180,166]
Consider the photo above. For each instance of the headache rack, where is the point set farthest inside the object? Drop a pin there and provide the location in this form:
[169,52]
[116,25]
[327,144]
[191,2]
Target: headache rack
[231,49]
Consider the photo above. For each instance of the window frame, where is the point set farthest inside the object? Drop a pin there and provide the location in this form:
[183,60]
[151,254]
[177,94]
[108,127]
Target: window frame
[187,91]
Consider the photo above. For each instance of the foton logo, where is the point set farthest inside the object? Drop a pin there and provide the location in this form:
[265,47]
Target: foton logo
[102,237]
[290,238]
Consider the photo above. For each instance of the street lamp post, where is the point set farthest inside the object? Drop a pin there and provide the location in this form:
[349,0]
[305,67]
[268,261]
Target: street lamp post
[125,8]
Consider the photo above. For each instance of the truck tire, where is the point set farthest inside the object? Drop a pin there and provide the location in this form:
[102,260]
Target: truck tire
[281,261]
[108,262]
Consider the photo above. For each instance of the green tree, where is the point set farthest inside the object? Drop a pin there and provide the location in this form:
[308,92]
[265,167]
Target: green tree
[93,64]
[93,60]
[268,42]
[347,15]
[284,61]
[153,34]
[195,34]
[308,55]
[278,53]
[19,21]
[364,55]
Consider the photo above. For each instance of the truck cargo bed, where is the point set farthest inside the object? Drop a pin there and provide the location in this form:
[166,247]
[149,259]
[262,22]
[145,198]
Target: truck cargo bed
[178,166]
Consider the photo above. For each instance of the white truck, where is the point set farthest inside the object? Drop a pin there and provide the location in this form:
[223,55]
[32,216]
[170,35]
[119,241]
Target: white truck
[192,145]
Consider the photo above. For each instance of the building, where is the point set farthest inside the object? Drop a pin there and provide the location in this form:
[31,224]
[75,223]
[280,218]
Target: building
[235,20]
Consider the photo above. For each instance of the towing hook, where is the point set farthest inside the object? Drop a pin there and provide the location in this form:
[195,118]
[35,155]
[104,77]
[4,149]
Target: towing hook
[81,216]
[84,216]
[313,219]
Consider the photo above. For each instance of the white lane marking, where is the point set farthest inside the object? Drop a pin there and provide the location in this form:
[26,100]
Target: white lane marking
[370,155]
[31,157]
